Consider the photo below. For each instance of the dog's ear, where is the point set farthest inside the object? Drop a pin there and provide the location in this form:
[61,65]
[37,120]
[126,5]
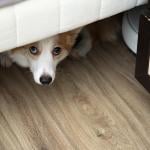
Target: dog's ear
[74,33]
[68,39]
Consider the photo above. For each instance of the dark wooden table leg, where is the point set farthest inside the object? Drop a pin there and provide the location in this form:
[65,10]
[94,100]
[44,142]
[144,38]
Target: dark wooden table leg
[143,52]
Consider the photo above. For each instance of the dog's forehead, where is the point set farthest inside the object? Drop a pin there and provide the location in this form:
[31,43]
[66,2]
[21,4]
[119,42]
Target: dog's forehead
[64,40]
[47,43]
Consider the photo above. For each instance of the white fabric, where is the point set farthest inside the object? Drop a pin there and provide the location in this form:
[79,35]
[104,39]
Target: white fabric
[33,20]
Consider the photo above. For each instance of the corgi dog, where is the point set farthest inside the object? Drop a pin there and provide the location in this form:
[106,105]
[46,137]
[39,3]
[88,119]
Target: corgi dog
[42,57]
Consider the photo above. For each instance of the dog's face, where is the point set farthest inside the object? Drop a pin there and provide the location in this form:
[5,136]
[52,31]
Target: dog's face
[42,57]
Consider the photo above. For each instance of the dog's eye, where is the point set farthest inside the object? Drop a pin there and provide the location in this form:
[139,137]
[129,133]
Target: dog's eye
[56,51]
[33,50]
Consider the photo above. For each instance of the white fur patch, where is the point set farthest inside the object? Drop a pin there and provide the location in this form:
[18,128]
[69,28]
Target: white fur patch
[20,59]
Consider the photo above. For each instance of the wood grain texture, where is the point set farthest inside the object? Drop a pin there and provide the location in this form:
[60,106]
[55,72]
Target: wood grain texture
[94,104]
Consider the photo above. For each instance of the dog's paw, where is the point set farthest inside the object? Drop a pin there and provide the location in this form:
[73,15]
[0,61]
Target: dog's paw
[75,54]
[5,61]
[79,53]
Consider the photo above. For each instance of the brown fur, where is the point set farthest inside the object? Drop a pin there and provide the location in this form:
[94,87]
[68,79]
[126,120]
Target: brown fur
[106,29]
[67,39]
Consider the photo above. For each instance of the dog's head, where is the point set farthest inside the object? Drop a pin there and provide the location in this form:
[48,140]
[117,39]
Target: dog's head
[42,57]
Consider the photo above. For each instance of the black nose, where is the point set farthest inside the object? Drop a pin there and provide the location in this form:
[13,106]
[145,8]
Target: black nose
[45,79]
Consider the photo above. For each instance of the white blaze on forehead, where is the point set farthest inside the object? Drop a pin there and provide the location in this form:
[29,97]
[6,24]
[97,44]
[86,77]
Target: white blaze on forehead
[47,44]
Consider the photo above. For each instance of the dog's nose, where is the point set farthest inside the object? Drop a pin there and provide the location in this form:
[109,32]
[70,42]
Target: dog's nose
[45,79]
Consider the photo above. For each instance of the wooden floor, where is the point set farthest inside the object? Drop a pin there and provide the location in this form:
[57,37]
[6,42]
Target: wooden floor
[94,104]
